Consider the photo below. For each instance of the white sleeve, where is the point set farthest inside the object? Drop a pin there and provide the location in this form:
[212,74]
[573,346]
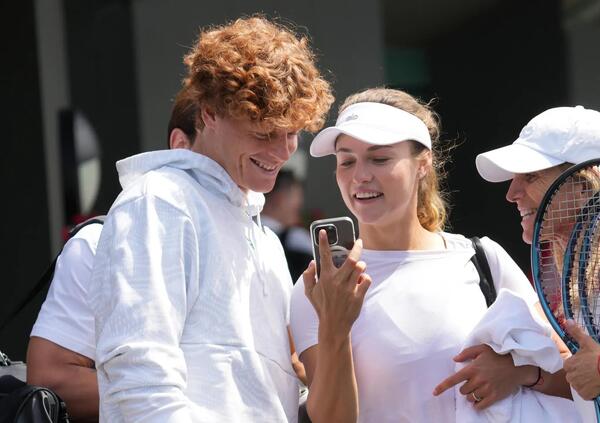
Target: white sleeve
[304,322]
[506,273]
[65,317]
[144,283]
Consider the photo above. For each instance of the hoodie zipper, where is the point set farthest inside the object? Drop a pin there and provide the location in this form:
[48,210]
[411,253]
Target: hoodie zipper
[253,240]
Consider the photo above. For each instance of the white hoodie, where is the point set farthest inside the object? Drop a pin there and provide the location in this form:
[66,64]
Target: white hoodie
[191,299]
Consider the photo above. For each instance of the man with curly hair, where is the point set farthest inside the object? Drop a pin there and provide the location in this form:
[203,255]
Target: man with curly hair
[190,292]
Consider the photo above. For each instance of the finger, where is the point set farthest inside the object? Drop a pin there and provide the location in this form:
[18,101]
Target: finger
[470,353]
[352,260]
[356,250]
[568,365]
[577,333]
[324,251]
[460,376]
[474,393]
[358,269]
[308,276]
[484,403]
[364,282]
[469,386]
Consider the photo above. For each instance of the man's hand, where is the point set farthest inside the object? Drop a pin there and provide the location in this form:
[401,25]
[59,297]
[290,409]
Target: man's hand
[582,369]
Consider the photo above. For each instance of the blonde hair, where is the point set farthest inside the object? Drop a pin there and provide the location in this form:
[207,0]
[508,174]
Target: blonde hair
[432,207]
[254,68]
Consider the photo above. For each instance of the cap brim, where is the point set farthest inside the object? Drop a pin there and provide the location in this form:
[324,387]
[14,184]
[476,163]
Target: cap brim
[324,143]
[502,163]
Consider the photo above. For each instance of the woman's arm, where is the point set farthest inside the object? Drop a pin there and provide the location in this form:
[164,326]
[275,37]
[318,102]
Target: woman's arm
[296,364]
[554,383]
[337,298]
[493,377]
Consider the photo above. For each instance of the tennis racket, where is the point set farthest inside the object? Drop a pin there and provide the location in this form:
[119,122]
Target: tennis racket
[565,253]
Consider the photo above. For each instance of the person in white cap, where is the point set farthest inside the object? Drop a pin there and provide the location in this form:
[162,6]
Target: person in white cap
[381,362]
[550,143]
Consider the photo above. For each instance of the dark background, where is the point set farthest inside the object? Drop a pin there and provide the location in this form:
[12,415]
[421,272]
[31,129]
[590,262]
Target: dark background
[490,65]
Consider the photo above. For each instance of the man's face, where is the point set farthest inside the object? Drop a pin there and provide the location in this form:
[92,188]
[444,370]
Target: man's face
[251,156]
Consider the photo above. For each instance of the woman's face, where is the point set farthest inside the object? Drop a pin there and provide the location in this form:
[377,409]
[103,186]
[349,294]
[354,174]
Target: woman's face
[527,191]
[378,183]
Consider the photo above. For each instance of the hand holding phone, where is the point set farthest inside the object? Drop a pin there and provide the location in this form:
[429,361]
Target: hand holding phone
[338,294]
[340,237]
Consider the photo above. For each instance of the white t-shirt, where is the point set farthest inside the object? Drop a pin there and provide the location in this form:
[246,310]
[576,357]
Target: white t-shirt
[415,317]
[65,317]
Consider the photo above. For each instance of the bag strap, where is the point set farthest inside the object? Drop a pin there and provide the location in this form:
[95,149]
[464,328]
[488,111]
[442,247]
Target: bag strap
[49,273]
[486,282]
[4,360]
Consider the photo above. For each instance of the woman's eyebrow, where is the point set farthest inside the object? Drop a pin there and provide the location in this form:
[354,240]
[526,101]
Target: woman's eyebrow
[372,148]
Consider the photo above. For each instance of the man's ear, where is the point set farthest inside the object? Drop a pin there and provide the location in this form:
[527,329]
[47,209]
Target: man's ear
[178,139]
[208,117]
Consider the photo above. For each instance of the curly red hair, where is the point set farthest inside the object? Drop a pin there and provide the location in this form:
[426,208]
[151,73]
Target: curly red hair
[254,68]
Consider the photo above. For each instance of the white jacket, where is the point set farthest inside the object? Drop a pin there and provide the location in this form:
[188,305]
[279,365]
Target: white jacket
[191,299]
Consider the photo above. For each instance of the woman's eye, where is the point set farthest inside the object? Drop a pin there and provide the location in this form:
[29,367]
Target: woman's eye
[380,160]
[345,163]
[530,177]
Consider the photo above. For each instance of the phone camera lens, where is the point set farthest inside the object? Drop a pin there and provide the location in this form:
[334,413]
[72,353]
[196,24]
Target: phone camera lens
[332,237]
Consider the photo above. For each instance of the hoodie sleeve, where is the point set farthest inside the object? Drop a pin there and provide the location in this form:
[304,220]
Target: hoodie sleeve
[145,279]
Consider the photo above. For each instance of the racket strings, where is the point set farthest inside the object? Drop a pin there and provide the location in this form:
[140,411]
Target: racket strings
[563,251]
[588,279]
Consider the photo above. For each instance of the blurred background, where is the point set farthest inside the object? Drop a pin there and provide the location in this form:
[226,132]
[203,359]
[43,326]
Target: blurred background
[85,83]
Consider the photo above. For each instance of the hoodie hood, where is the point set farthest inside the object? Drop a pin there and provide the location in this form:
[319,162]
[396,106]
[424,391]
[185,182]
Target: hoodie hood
[203,169]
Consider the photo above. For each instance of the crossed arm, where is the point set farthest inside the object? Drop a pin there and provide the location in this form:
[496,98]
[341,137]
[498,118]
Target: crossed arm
[494,377]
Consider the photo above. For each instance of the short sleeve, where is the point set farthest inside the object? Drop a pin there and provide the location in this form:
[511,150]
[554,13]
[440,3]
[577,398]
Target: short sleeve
[304,321]
[65,317]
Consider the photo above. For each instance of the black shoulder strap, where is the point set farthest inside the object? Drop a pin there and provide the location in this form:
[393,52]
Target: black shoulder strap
[486,282]
[49,273]
[283,236]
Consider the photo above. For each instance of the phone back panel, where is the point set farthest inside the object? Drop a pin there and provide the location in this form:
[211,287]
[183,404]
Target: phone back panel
[340,235]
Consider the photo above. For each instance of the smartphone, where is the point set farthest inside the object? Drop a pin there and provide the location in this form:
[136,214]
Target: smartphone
[340,236]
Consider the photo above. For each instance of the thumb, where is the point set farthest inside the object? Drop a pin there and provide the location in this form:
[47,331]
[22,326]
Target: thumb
[577,333]
[470,353]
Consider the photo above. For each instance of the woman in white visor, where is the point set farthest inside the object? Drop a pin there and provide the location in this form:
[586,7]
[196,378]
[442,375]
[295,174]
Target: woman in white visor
[383,362]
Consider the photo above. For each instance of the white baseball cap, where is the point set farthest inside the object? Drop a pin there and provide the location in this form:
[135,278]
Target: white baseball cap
[558,135]
[373,123]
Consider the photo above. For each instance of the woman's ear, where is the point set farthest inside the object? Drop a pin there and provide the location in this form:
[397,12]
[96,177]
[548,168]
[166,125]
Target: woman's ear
[426,163]
[178,139]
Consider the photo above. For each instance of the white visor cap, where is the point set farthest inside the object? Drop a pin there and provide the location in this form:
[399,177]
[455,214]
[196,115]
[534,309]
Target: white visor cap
[558,135]
[373,123]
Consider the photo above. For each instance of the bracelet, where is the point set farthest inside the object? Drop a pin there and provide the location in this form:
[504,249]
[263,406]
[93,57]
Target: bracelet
[539,378]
